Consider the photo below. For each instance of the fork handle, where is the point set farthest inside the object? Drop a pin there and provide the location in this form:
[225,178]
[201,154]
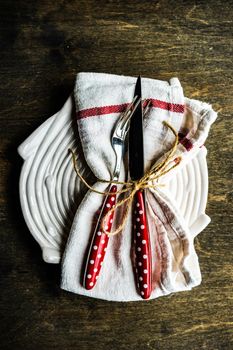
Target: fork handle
[99,243]
[142,246]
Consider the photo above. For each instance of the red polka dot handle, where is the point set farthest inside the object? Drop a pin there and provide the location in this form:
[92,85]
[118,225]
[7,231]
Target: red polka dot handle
[142,247]
[99,244]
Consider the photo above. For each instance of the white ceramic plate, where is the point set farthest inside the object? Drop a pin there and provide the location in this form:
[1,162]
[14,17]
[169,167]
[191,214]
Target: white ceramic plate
[50,190]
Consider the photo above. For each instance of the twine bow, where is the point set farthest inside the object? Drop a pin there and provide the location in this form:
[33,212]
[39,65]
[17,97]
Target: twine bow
[147,181]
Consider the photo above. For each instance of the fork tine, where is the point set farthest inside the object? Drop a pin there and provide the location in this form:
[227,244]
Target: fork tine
[122,124]
[131,104]
[127,111]
[126,121]
[147,107]
[144,113]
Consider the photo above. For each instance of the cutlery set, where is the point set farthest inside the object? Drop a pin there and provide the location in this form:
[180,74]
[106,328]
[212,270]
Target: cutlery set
[54,207]
[130,123]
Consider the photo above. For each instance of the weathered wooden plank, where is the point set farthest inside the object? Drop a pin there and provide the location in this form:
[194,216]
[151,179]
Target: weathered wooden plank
[43,46]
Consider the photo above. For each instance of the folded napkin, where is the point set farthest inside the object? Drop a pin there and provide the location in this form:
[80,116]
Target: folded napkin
[100,98]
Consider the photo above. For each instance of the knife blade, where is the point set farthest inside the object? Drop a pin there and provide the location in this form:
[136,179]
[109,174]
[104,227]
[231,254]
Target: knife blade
[140,227]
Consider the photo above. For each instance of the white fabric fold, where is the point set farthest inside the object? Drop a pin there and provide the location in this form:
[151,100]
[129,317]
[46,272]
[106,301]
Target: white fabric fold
[99,100]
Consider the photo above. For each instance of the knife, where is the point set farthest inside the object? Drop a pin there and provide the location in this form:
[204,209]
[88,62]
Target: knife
[140,228]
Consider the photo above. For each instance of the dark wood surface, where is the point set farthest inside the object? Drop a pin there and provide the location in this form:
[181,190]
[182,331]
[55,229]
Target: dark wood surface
[43,45]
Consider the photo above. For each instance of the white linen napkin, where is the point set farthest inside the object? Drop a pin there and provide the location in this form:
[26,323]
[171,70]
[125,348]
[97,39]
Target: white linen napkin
[100,98]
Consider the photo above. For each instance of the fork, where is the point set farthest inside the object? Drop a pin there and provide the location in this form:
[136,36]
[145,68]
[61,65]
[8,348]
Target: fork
[100,239]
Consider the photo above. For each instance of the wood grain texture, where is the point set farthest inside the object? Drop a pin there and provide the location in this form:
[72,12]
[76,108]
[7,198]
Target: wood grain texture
[43,45]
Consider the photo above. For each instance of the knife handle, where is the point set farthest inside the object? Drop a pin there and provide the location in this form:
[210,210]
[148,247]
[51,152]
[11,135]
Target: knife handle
[99,243]
[142,246]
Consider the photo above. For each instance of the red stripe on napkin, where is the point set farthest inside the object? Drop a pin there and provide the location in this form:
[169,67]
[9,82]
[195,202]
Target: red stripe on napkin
[183,133]
[91,112]
[173,107]
[186,143]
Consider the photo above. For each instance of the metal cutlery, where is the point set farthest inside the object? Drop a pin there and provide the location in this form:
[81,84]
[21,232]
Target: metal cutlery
[140,227]
[100,239]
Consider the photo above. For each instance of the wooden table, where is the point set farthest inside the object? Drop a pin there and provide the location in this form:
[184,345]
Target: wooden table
[43,45]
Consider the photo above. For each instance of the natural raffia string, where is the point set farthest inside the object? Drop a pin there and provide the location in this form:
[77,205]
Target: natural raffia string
[147,181]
